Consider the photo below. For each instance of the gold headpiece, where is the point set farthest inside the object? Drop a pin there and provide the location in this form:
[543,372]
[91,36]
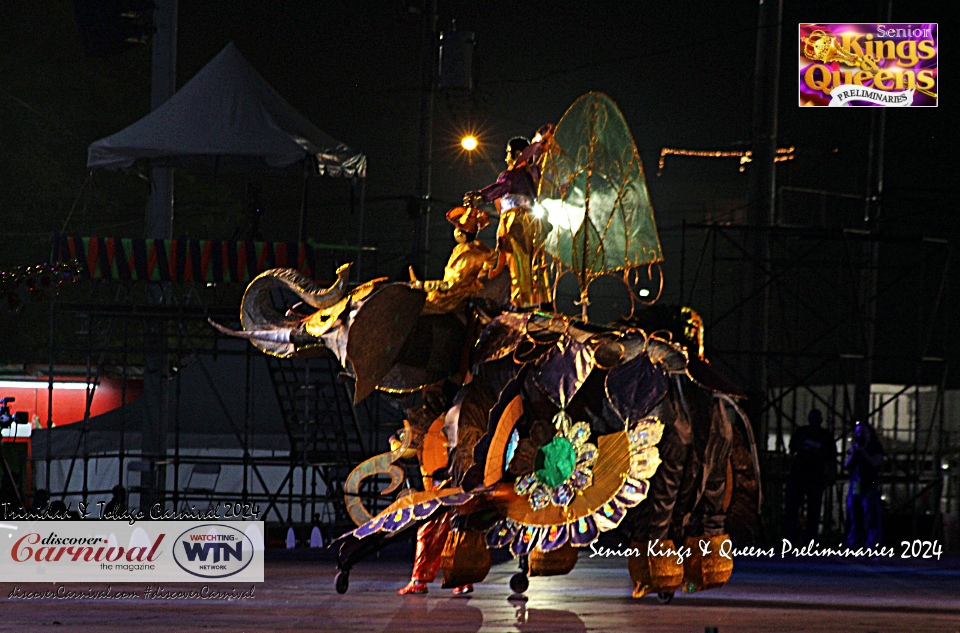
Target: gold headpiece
[468,219]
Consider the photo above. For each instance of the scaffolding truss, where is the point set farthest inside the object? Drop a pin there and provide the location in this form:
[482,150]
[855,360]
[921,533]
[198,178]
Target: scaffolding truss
[113,326]
[820,283]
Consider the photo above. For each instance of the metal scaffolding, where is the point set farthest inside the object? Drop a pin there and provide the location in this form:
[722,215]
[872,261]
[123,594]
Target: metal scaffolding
[818,342]
[296,478]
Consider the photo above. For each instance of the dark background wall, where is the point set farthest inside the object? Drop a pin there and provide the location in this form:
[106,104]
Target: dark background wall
[681,72]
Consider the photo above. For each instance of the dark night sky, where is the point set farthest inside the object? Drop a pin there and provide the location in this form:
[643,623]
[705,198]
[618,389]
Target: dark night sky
[681,72]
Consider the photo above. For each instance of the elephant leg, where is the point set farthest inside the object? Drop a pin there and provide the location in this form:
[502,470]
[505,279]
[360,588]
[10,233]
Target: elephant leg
[742,517]
[652,518]
[687,518]
[716,457]
[707,567]
[649,523]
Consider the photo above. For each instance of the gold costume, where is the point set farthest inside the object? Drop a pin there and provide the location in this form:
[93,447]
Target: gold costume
[467,267]
[520,234]
[462,277]
[518,238]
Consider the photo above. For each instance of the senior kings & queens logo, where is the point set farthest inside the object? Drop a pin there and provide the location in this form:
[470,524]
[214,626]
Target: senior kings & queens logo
[868,65]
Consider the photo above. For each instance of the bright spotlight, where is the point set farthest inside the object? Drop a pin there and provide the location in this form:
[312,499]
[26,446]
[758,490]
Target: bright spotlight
[469,143]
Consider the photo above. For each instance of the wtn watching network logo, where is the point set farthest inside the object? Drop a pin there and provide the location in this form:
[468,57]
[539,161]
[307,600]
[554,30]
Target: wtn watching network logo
[213,550]
[120,551]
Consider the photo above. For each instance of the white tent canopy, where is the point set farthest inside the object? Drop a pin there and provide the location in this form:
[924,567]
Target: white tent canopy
[227,117]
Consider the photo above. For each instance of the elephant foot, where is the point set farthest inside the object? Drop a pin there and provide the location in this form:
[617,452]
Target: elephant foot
[656,568]
[706,568]
[557,562]
[465,559]
[342,581]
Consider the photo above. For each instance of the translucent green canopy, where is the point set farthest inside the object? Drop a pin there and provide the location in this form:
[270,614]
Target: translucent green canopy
[593,195]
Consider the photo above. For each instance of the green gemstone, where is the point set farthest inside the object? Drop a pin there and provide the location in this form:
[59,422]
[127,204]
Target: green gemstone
[555,462]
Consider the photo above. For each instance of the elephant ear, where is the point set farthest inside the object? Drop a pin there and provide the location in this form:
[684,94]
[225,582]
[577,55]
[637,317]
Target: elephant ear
[563,369]
[703,373]
[379,333]
[433,351]
[635,387]
[744,497]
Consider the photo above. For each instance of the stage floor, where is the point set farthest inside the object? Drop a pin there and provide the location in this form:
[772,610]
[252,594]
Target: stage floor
[298,595]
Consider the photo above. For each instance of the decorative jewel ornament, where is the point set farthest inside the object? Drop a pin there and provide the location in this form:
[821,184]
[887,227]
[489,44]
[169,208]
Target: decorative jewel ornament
[641,436]
[562,466]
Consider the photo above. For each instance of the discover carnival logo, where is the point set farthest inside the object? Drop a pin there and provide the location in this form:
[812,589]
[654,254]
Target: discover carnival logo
[31,547]
[213,551]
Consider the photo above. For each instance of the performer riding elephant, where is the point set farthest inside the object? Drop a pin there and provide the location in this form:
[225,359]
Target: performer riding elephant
[555,429]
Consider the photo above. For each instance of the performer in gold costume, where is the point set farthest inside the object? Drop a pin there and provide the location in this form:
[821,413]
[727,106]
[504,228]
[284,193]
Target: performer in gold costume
[518,235]
[467,266]
[463,277]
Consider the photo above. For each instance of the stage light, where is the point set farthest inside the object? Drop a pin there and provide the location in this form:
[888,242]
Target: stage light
[469,142]
[643,292]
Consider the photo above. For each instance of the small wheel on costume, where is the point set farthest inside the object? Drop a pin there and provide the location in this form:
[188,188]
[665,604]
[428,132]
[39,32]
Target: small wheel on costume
[343,581]
[665,597]
[519,583]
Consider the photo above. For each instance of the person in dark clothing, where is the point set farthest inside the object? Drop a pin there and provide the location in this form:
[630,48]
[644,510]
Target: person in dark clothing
[863,497]
[60,510]
[118,503]
[41,499]
[814,451]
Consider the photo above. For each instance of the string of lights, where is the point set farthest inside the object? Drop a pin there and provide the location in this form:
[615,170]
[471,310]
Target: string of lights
[745,156]
[29,283]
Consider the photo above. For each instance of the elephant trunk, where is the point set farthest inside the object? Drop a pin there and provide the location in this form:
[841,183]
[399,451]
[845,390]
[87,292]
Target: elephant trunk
[308,292]
[259,310]
[262,312]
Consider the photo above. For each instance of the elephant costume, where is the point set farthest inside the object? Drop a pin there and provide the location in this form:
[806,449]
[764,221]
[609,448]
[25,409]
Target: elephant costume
[556,432]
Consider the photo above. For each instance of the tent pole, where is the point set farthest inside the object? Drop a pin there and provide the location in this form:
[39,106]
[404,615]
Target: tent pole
[303,201]
[428,53]
[163,81]
[87,193]
[159,226]
[362,194]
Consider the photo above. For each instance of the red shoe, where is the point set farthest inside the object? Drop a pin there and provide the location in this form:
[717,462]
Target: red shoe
[459,591]
[415,586]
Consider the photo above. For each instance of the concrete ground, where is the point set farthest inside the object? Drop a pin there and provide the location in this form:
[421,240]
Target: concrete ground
[298,595]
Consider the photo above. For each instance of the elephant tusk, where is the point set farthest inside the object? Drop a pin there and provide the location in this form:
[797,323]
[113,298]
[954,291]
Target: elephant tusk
[275,336]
